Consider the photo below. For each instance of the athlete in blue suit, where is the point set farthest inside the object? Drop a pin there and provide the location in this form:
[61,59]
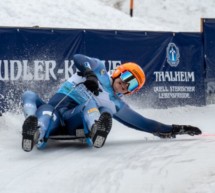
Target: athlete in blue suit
[86,103]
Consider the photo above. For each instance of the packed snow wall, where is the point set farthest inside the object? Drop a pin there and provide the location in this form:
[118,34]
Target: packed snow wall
[40,59]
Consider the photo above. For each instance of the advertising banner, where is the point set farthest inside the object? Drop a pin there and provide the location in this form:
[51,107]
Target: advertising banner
[209,47]
[209,50]
[180,80]
[173,63]
[41,59]
[35,59]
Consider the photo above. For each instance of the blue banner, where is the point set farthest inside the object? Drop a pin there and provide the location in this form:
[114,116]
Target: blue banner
[173,63]
[209,47]
[35,59]
[209,50]
[41,59]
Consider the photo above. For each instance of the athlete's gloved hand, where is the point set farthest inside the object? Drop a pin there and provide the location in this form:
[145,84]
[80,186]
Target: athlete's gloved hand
[91,82]
[180,130]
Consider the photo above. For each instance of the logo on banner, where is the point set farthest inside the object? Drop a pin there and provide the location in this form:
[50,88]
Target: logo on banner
[87,65]
[103,71]
[172,55]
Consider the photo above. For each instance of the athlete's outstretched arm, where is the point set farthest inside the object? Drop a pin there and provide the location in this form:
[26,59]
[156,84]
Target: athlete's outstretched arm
[132,119]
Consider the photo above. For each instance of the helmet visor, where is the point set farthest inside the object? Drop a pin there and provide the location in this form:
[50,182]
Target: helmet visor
[129,78]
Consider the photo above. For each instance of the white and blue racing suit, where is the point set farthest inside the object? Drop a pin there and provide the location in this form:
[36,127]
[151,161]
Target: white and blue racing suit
[74,107]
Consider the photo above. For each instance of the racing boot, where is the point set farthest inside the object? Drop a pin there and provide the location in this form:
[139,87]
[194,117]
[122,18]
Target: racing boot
[29,133]
[101,129]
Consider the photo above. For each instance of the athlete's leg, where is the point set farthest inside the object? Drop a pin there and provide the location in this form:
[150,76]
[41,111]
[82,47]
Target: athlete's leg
[48,122]
[37,128]
[82,116]
[87,116]
[134,120]
[31,101]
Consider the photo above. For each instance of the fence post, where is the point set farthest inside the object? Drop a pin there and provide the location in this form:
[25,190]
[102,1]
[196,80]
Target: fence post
[131,7]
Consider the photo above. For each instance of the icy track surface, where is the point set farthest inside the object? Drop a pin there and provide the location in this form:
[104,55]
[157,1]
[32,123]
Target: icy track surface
[131,161]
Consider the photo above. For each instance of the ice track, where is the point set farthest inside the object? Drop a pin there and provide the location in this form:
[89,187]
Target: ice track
[131,161]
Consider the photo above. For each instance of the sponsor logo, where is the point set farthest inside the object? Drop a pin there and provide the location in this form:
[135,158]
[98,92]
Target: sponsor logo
[172,55]
[174,76]
[87,65]
[103,71]
[92,110]
[41,69]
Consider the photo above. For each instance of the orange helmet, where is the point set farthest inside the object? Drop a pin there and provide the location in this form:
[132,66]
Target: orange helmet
[132,74]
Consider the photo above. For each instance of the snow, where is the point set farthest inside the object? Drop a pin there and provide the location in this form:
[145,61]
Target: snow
[149,15]
[130,161]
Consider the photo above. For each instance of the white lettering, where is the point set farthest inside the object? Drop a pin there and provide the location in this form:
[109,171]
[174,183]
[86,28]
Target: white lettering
[39,70]
[26,74]
[177,76]
[68,68]
[49,69]
[15,69]
[165,92]
[112,64]
[173,95]
[182,88]
[161,89]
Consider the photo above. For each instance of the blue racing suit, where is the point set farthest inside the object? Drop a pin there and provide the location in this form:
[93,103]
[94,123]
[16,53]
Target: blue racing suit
[74,107]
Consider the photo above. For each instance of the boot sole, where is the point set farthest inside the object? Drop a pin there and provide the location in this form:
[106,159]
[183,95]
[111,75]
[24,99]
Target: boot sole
[29,129]
[103,125]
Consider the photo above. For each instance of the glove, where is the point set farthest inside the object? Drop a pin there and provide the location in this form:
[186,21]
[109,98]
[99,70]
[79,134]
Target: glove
[91,82]
[180,130]
[186,129]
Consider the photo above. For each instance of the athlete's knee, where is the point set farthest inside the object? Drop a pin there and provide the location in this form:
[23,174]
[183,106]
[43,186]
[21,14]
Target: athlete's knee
[47,112]
[29,99]
[49,117]
[29,96]
[106,110]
